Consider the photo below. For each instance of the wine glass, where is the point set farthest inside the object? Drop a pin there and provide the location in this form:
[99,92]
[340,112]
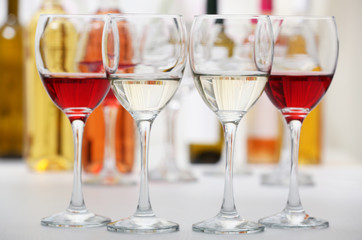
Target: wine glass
[230,80]
[144,88]
[298,81]
[76,87]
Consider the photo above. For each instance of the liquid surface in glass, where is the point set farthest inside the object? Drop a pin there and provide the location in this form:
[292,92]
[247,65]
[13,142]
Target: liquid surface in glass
[230,96]
[145,96]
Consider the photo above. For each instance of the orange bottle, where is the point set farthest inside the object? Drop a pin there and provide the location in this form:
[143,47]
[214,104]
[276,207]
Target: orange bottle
[264,122]
[94,148]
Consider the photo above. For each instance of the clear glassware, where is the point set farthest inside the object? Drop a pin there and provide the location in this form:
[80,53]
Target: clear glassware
[144,86]
[298,81]
[240,166]
[230,80]
[168,169]
[76,87]
[280,175]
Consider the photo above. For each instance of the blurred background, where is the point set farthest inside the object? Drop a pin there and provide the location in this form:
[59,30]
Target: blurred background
[334,129]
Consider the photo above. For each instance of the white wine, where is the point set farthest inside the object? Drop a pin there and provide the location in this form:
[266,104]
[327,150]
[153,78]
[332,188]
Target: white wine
[144,98]
[230,97]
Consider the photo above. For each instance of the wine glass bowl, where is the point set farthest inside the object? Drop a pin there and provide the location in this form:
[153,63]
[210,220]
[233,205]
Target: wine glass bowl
[76,96]
[231,58]
[301,75]
[76,86]
[144,86]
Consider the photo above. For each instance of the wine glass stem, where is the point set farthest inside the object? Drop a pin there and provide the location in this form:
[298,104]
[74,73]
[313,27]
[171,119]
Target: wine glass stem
[228,205]
[110,117]
[77,201]
[294,203]
[144,206]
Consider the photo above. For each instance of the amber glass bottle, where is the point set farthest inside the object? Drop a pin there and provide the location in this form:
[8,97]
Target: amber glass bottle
[11,85]
[48,134]
[310,144]
[94,134]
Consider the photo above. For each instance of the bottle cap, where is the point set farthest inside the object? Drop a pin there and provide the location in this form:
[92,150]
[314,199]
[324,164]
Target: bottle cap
[211,7]
[266,6]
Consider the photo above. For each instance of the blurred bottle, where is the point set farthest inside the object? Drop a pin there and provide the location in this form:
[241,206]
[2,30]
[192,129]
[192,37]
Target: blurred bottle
[263,121]
[48,135]
[11,85]
[310,144]
[311,137]
[94,134]
[208,136]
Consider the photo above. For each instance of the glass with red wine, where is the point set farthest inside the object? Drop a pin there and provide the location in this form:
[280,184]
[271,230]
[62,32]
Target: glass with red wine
[77,87]
[299,79]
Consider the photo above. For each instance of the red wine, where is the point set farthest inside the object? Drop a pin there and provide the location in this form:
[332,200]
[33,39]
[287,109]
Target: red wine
[299,93]
[110,100]
[76,96]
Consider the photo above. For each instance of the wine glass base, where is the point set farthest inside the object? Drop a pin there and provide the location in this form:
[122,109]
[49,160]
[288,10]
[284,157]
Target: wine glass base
[284,220]
[166,175]
[143,225]
[225,225]
[69,219]
[110,180]
[279,179]
[244,171]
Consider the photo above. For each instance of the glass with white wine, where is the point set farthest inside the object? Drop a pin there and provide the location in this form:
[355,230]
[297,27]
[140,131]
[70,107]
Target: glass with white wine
[144,86]
[230,84]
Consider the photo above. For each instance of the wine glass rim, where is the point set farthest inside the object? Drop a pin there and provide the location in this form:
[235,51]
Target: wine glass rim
[301,17]
[231,16]
[73,15]
[140,15]
[113,15]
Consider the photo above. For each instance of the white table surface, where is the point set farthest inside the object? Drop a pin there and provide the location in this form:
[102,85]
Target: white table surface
[26,197]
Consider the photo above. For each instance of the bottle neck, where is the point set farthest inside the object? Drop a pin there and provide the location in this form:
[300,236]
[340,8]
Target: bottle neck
[108,5]
[301,7]
[266,7]
[13,7]
[211,7]
[49,4]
